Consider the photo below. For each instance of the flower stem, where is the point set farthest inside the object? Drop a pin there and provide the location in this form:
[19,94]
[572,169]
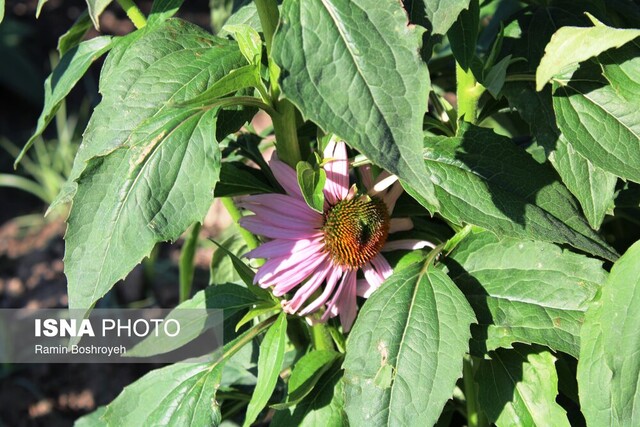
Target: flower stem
[186,267]
[134,13]
[321,337]
[284,117]
[474,417]
[250,239]
[468,92]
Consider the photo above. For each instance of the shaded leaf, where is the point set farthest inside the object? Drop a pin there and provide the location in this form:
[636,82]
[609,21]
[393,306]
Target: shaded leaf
[441,14]
[237,179]
[571,45]
[74,35]
[417,323]
[463,35]
[519,388]
[609,363]
[163,10]
[311,181]
[524,291]
[353,68]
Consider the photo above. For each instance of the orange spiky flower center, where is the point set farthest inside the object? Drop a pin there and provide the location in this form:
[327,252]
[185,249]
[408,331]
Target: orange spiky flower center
[355,230]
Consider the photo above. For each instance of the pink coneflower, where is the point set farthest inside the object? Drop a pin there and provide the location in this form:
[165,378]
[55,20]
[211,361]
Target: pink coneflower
[308,249]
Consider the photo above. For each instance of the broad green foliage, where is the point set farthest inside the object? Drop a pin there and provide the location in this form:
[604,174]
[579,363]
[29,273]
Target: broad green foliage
[524,291]
[514,130]
[519,388]
[404,354]
[353,68]
[484,179]
[609,364]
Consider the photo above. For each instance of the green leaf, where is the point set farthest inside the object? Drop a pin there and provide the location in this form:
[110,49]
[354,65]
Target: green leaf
[163,10]
[269,366]
[609,363]
[194,318]
[524,291]
[463,35]
[96,7]
[324,407]
[353,68]
[126,81]
[494,81]
[39,7]
[136,196]
[571,45]
[440,13]
[485,180]
[249,42]
[519,388]
[238,179]
[621,67]
[311,181]
[601,126]
[74,35]
[418,324]
[221,269]
[179,394]
[93,419]
[593,187]
[261,309]
[72,66]
[2,7]
[306,373]
[245,15]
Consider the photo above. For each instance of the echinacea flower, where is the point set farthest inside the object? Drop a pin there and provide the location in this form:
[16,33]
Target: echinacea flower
[309,249]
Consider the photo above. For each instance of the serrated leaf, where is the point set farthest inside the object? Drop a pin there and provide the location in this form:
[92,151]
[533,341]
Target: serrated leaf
[324,407]
[524,291]
[353,68]
[163,10]
[136,196]
[96,7]
[72,66]
[269,366]
[441,14]
[194,318]
[311,181]
[519,388]
[485,180]
[609,363]
[75,34]
[463,35]
[138,62]
[179,394]
[601,125]
[593,187]
[417,323]
[571,45]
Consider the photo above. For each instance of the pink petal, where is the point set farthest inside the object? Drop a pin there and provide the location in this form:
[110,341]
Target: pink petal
[384,181]
[367,176]
[382,266]
[400,224]
[286,177]
[308,288]
[337,169]
[256,226]
[332,307]
[293,261]
[407,244]
[279,203]
[289,279]
[272,217]
[332,280]
[280,247]
[372,276]
[348,304]
[364,288]
[392,196]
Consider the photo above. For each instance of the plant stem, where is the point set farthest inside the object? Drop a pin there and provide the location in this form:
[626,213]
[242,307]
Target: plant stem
[474,417]
[134,13]
[321,337]
[186,266]
[249,238]
[284,117]
[468,92]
